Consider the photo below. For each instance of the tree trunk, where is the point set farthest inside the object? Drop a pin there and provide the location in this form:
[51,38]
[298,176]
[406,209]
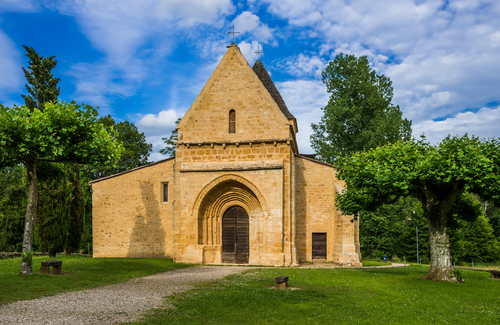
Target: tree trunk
[29,225]
[440,269]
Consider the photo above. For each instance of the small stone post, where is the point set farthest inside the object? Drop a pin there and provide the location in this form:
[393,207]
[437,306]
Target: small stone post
[281,282]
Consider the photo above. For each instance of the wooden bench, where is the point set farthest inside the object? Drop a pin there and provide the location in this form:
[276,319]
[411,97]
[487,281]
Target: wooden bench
[56,267]
[494,274]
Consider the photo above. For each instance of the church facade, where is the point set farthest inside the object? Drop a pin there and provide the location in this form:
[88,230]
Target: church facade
[237,190]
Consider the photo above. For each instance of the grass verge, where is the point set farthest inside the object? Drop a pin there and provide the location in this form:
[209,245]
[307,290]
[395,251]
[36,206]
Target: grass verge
[77,273]
[374,263]
[331,296]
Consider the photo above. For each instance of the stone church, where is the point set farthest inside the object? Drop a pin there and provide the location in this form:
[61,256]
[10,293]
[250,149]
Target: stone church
[237,190]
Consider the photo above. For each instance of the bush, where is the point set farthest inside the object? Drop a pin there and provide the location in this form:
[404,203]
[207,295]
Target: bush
[459,274]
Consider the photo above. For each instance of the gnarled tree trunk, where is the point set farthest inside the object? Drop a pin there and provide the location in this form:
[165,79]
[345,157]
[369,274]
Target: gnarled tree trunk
[29,225]
[440,269]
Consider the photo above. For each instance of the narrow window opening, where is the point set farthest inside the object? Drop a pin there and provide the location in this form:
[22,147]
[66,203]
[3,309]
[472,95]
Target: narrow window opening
[165,192]
[232,121]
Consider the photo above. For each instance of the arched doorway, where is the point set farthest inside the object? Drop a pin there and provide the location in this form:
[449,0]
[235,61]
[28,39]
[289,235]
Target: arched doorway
[235,246]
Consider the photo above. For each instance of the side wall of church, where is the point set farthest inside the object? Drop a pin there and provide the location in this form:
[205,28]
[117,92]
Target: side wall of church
[129,216]
[269,229]
[316,213]
[315,208]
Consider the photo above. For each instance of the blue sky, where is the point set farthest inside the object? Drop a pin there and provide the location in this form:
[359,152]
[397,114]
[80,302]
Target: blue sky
[146,61]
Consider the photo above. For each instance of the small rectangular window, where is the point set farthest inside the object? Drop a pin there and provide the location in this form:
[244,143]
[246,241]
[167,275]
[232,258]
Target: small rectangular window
[165,192]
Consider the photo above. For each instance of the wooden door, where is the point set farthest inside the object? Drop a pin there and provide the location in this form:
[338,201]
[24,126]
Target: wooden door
[235,236]
[319,245]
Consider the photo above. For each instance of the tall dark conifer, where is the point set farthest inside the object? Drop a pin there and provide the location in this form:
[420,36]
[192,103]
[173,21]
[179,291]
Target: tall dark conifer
[42,86]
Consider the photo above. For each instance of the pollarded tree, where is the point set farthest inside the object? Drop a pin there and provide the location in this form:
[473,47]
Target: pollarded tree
[62,132]
[435,175]
[359,114]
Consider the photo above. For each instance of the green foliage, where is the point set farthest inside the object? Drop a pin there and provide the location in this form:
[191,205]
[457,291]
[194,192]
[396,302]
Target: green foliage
[78,273]
[62,132]
[437,176]
[13,193]
[58,221]
[416,168]
[135,148]
[459,274]
[170,142]
[41,86]
[359,114]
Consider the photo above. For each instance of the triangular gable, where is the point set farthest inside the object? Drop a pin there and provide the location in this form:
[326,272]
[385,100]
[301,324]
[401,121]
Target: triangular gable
[234,85]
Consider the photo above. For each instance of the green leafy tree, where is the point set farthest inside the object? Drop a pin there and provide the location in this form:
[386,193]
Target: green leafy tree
[13,193]
[359,113]
[170,141]
[41,86]
[135,148]
[62,132]
[437,176]
[52,221]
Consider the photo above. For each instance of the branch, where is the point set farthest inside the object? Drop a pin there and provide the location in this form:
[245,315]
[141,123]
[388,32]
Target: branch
[58,160]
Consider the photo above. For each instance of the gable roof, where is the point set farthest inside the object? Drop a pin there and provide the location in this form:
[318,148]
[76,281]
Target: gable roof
[131,170]
[261,72]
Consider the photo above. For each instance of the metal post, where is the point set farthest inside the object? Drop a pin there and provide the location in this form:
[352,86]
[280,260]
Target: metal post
[417,246]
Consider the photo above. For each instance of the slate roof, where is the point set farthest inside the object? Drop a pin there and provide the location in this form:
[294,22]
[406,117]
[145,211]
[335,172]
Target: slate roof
[261,72]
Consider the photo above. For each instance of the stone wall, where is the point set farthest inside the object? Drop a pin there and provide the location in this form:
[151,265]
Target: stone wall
[129,216]
[316,189]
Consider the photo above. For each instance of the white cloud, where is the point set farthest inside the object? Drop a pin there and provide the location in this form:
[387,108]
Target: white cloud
[10,66]
[483,124]
[248,50]
[302,65]
[157,124]
[247,22]
[304,99]
[442,56]
[18,5]
[135,38]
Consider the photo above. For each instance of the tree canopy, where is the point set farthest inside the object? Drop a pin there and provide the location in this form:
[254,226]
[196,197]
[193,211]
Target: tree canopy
[435,175]
[359,113]
[135,148]
[62,132]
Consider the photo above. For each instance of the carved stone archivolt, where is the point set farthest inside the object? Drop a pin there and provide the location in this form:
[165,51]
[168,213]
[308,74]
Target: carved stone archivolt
[216,201]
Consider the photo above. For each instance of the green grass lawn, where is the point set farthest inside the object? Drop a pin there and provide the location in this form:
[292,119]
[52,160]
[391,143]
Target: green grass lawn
[77,273]
[331,296]
[374,263]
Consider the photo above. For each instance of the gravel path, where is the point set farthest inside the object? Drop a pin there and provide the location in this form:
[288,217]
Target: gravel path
[122,302]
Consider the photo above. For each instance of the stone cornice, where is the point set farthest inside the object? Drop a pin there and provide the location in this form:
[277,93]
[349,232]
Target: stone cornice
[230,166]
[232,142]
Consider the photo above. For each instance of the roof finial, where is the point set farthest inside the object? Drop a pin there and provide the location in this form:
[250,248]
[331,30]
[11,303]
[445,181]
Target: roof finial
[258,52]
[233,32]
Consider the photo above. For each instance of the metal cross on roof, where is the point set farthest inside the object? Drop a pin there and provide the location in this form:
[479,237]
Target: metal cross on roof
[258,52]
[233,32]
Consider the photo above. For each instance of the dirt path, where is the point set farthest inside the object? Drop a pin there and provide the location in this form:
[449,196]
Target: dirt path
[122,302]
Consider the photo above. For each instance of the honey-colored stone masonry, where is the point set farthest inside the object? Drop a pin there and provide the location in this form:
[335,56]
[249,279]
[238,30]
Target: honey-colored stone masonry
[287,197]
[129,216]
